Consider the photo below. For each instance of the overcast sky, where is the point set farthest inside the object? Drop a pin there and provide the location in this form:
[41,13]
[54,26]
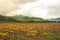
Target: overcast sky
[35,8]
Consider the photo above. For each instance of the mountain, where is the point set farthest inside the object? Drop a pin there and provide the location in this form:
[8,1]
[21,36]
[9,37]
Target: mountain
[54,19]
[5,19]
[22,18]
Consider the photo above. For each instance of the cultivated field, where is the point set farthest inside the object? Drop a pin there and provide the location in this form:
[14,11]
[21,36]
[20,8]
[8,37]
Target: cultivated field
[30,31]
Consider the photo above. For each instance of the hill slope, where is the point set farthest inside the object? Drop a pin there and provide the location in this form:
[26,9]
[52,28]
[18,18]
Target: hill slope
[5,19]
[54,19]
[26,18]
[21,18]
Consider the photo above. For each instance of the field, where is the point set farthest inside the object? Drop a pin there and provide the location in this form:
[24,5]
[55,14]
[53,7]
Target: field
[30,31]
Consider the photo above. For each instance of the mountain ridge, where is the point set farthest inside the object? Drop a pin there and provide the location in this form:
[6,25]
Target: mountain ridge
[20,18]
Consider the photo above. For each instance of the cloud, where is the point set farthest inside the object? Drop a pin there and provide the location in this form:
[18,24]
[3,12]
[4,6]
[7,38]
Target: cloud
[7,6]
[32,9]
[39,8]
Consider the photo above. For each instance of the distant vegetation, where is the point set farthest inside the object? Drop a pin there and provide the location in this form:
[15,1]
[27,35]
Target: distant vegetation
[55,19]
[5,19]
[20,18]
[26,19]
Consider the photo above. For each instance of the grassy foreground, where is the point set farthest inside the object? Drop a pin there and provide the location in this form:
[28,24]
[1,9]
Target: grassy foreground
[29,31]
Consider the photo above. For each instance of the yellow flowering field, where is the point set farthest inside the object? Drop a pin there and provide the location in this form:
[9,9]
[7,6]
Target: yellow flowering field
[30,31]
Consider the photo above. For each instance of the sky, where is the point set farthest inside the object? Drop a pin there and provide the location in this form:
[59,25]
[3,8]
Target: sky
[31,8]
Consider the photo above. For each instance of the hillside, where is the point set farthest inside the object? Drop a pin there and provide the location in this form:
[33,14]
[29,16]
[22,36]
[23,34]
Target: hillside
[54,19]
[22,18]
[19,18]
[5,19]
[26,19]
